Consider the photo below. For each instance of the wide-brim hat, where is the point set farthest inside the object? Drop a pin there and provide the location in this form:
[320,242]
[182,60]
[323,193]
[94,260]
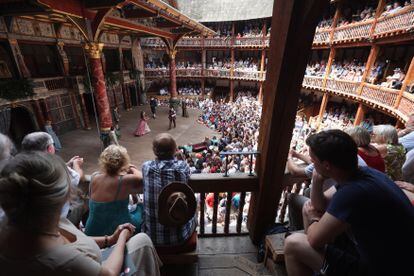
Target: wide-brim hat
[176,204]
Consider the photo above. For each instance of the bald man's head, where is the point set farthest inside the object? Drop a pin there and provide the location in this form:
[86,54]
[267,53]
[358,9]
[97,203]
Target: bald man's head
[164,146]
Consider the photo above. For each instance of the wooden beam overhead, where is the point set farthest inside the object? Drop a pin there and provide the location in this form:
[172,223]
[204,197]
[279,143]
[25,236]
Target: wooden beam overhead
[135,27]
[102,4]
[139,13]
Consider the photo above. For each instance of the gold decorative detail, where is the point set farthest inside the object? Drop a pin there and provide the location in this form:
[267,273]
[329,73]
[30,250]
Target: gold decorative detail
[173,53]
[94,49]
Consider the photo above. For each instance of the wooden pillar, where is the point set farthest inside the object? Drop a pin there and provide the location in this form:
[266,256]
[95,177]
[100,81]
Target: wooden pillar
[203,61]
[99,87]
[231,98]
[335,21]
[293,29]
[409,79]
[19,59]
[331,59]
[85,115]
[324,103]
[359,117]
[173,75]
[64,61]
[232,62]
[373,54]
[203,88]
[378,12]
[260,95]
[38,113]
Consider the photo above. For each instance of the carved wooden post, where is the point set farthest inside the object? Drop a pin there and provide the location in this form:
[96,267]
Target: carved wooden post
[373,54]
[64,58]
[331,59]
[324,103]
[173,75]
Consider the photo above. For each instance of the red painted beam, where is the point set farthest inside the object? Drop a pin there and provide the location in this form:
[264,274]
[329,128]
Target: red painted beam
[132,26]
[139,13]
[69,7]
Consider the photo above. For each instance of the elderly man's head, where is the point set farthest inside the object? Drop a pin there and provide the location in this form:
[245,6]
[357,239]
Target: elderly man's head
[39,141]
[164,146]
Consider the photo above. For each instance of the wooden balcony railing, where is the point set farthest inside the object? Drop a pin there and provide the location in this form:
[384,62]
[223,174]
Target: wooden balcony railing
[50,84]
[353,32]
[152,42]
[249,75]
[156,73]
[313,82]
[400,21]
[322,36]
[342,86]
[217,73]
[217,42]
[406,106]
[217,222]
[380,95]
[249,41]
[189,42]
[189,72]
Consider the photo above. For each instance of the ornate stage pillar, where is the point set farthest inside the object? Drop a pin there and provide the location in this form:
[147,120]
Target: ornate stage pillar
[98,82]
[173,75]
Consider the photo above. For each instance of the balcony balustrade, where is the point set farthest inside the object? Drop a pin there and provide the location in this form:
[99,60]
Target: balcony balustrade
[196,72]
[42,85]
[406,106]
[152,42]
[385,97]
[157,73]
[249,41]
[353,32]
[322,36]
[313,82]
[401,21]
[217,73]
[217,42]
[250,75]
[343,86]
[189,42]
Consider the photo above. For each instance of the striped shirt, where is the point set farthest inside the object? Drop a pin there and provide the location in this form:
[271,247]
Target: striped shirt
[156,175]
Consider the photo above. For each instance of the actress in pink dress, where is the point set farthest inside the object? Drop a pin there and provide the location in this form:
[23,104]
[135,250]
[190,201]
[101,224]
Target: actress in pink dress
[142,127]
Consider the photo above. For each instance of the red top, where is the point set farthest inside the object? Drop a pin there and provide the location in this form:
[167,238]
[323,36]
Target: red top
[376,162]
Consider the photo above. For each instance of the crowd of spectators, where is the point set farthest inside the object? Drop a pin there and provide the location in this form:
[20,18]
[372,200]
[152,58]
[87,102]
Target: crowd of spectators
[347,70]
[316,68]
[395,6]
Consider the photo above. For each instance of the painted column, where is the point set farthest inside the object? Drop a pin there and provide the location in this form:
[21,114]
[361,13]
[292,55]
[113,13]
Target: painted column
[85,115]
[260,96]
[173,75]
[98,83]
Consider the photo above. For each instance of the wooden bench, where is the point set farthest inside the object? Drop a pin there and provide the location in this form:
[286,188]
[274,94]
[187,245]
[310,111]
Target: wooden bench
[274,245]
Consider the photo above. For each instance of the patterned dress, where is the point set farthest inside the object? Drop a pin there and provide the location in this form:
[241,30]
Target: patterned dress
[394,161]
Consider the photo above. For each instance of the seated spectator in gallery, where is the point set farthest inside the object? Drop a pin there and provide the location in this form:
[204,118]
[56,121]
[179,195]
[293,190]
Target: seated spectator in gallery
[157,174]
[109,192]
[347,208]
[386,141]
[366,151]
[34,186]
[42,141]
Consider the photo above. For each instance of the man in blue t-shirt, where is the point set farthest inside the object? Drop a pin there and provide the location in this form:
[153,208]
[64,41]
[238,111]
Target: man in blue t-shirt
[365,205]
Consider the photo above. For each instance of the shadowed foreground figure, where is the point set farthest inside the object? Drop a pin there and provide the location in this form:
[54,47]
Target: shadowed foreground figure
[365,204]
